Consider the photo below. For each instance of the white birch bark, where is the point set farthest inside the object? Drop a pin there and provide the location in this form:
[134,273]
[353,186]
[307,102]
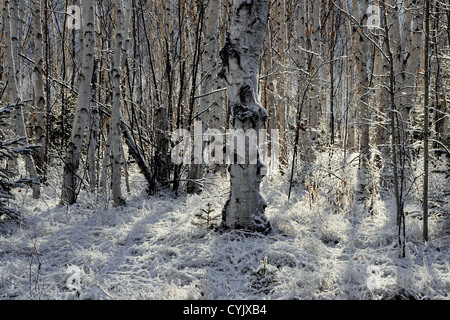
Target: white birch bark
[301,37]
[281,84]
[104,168]
[94,116]
[15,41]
[382,99]
[13,93]
[315,88]
[398,49]
[362,93]
[11,7]
[303,47]
[116,114]
[240,59]
[216,115]
[351,136]
[208,64]
[383,77]
[125,168]
[39,99]
[126,31]
[73,152]
[426,121]
[302,63]
[412,35]
[94,127]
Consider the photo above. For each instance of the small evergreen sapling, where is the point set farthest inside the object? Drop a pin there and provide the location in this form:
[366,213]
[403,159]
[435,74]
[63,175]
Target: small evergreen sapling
[10,149]
[263,279]
[206,218]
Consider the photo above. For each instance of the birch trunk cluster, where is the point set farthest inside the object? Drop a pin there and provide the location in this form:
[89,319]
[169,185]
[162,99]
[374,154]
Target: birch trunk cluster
[13,92]
[101,89]
[73,154]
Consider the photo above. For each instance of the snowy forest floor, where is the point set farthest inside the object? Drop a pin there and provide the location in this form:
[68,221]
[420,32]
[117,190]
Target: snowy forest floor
[324,245]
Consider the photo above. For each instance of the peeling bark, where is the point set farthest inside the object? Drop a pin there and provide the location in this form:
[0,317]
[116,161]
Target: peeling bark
[240,58]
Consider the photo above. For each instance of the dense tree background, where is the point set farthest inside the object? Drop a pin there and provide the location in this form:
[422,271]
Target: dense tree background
[353,95]
[337,78]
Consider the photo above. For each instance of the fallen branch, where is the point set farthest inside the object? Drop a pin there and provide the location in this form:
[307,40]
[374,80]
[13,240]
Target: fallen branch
[136,154]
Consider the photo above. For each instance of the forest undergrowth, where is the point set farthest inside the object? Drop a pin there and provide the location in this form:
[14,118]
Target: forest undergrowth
[326,244]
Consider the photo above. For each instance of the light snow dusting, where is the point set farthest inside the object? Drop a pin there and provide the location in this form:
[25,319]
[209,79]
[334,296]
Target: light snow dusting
[325,245]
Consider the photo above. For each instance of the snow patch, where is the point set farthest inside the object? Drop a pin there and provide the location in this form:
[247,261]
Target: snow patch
[152,249]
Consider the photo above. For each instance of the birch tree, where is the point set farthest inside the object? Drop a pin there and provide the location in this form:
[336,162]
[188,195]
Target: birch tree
[387,46]
[210,114]
[14,96]
[197,167]
[281,87]
[164,102]
[350,112]
[426,124]
[73,152]
[15,33]
[315,64]
[94,127]
[382,98]
[116,114]
[413,36]
[245,206]
[39,99]
[360,13]
[212,82]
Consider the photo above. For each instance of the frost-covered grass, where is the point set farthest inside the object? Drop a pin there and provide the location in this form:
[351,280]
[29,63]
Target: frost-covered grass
[325,245]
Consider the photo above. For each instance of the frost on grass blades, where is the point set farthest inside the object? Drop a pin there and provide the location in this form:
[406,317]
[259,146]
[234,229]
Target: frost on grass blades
[235,146]
[74,281]
[308,208]
[373,281]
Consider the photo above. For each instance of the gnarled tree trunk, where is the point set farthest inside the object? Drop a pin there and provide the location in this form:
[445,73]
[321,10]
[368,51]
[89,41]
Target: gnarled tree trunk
[240,58]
